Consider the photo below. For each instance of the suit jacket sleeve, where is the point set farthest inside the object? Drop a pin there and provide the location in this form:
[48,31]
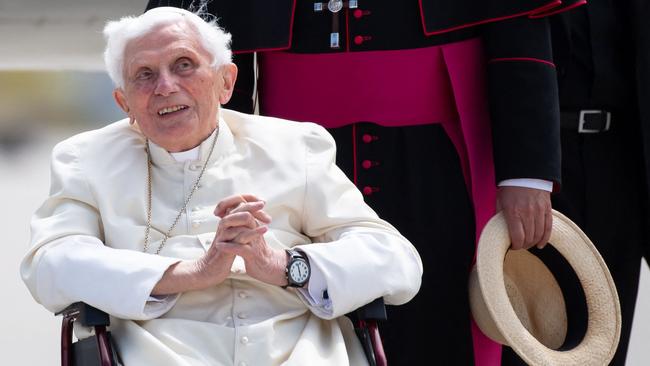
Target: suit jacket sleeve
[361,256]
[68,261]
[523,98]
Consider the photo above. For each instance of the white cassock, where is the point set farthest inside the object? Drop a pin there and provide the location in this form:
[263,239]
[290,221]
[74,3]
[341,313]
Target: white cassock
[88,236]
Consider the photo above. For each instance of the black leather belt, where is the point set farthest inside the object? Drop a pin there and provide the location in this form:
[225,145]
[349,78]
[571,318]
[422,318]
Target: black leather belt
[586,120]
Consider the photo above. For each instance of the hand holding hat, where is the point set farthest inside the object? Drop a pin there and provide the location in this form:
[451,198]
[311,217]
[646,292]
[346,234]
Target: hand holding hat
[516,301]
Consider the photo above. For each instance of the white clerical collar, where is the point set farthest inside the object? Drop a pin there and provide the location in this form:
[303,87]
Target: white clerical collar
[160,156]
[189,155]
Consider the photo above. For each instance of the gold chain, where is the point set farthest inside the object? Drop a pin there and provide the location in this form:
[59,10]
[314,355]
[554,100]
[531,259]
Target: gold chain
[187,200]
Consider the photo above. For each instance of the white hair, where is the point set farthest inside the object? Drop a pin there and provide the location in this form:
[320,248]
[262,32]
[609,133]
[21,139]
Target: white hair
[118,33]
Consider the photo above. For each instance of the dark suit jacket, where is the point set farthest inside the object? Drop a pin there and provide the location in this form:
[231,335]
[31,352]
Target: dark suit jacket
[602,53]
[641,11]
[641,15]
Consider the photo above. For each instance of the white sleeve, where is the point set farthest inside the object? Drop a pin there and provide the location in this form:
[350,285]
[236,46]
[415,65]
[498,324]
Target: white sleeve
[117,281]
[68,261]
[361,257]
[316,292]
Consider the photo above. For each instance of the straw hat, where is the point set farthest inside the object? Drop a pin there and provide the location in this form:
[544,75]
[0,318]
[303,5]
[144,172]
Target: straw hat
[516,301]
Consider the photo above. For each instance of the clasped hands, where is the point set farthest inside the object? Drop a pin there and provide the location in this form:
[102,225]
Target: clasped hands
[240,232]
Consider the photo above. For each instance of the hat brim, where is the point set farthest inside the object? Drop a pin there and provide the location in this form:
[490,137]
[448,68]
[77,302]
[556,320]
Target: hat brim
[604,314]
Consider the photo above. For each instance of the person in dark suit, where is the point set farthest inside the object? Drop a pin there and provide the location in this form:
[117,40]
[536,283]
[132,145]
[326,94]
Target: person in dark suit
[442,111]
[602,52]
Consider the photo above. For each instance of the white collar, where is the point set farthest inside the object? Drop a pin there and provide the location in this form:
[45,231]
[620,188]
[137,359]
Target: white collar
[188,155]
[225,145]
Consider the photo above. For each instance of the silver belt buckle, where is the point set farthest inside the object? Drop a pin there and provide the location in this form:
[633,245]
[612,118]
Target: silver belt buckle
[581,121]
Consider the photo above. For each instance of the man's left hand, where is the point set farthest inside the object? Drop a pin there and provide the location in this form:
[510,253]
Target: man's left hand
[528,214]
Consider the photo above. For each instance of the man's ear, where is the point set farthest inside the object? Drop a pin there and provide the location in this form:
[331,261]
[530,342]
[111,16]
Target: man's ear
[229,75]
[120,99]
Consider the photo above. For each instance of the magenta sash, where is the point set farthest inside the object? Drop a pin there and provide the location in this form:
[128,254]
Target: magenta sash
[441,84]
[391,88]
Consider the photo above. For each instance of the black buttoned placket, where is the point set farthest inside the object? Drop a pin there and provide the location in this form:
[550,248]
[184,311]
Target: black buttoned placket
[368,166]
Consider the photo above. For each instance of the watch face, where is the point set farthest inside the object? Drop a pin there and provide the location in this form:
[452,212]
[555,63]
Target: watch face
[299,271]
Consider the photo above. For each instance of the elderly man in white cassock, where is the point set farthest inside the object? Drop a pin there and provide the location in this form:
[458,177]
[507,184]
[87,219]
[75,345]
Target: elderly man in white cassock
[211,237]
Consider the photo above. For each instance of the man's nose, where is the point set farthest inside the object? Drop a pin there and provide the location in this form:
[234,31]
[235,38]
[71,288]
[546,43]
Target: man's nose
[166,84]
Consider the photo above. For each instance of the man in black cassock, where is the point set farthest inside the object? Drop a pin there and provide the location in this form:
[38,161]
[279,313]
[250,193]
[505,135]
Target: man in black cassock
[420,174]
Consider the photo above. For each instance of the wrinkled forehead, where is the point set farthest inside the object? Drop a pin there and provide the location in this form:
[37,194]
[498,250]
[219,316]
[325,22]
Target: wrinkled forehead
[163,39]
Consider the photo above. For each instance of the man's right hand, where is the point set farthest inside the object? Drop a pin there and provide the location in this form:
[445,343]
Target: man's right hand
[189,275]
[528,215]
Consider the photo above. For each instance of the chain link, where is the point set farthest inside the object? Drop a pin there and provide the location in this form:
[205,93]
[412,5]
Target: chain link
[187,200]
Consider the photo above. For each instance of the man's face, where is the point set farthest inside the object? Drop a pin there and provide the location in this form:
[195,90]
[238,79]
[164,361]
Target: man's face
[170,89]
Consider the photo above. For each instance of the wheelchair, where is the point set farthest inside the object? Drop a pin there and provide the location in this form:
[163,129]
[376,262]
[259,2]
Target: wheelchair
[99,349]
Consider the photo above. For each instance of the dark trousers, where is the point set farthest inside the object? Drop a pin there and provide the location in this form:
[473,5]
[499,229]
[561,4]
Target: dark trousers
[412,178]
[603,192]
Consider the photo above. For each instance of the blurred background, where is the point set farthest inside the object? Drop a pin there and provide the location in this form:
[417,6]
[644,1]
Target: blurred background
[52,85]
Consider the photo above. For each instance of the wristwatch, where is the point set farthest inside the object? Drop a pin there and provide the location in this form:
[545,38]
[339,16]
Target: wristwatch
[298,270]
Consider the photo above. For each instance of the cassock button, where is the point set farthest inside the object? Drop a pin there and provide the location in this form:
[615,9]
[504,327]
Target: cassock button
[195,166]
[243,340]
[367,190]
[357,13]
[358,40]
[366,138]
[242,315]
[366,164]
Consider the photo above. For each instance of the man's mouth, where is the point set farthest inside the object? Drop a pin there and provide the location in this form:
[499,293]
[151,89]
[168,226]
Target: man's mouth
[172,109]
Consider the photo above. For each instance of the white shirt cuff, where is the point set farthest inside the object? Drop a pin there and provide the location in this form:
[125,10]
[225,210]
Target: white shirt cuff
[157,305]
[542,184]
[316,291]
